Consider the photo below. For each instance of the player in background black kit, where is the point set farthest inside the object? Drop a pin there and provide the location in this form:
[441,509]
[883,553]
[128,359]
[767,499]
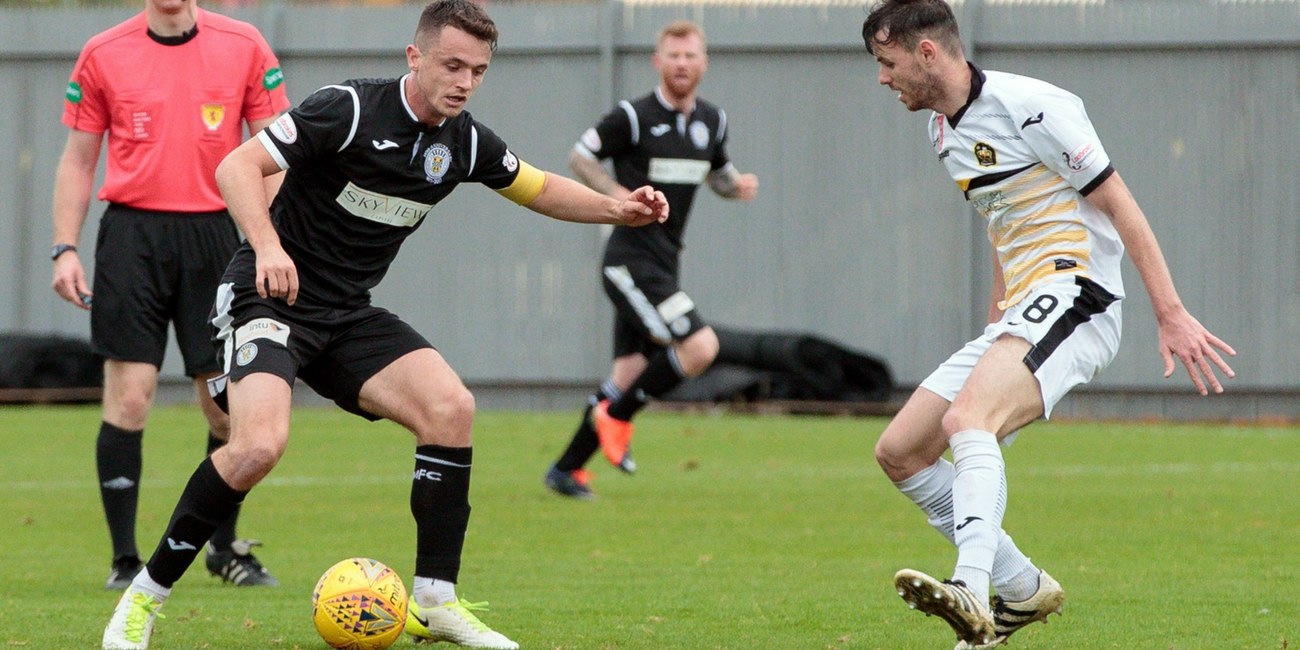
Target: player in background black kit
[365,163]
[674,141]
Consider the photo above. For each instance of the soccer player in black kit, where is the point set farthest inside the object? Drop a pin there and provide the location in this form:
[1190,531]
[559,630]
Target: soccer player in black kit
[365,162]
[673,140]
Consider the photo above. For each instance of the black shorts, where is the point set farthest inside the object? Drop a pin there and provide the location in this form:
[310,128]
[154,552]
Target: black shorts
[651,311]
[152,268]
[332,350]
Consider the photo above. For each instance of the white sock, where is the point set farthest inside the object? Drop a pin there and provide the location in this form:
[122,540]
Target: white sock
[431,592]
[1014,576]
[931,490]
[143,582]
[979,498]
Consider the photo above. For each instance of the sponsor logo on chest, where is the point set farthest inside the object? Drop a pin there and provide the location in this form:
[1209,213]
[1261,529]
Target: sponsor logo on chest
[382,208]
[990,202]
[678,170]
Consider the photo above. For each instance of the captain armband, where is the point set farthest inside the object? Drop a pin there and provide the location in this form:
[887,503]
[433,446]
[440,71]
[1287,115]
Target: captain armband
[528,184]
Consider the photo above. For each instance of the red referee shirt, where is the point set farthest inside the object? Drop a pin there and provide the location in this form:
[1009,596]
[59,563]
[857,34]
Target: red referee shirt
[172,112]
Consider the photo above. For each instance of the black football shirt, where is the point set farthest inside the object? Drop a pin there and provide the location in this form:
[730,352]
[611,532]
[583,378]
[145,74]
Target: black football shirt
[653,144]
[362,174]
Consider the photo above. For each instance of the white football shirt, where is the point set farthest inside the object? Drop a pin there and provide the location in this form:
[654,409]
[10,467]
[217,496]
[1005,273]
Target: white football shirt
[1025,154]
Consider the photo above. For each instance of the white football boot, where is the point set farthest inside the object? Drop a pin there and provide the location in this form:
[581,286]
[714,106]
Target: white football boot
[132,621]
[455,623]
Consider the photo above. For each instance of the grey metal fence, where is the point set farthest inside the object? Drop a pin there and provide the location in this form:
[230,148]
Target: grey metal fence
[858,234]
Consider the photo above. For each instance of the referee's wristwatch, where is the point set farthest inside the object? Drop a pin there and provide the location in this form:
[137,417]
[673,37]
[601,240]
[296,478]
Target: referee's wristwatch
[60,249]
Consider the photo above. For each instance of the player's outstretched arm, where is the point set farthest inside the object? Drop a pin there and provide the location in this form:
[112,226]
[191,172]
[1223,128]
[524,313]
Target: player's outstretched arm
[1181,335]
[240,177]
[73,184]
[592,174]
[568,200]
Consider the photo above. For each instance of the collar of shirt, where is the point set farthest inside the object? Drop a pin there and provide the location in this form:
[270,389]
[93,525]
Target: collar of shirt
[663,101]
[407,105]
[976,87]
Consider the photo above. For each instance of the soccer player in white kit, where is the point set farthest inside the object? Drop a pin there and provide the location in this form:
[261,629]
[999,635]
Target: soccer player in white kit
[1059,218]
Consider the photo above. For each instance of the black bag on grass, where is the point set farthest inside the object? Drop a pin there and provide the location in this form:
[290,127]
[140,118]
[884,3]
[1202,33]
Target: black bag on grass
[48,361]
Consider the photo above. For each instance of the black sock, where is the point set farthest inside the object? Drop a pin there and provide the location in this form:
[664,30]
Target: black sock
[585,443]
[206,502]
[661,375]
[118,456]
[224,535]
[440,503]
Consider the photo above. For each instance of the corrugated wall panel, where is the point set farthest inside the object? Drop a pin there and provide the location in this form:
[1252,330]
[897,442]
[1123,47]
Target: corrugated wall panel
[857,234]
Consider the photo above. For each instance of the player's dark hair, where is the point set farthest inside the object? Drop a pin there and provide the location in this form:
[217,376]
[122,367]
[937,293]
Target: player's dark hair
[464,15]
[907,22]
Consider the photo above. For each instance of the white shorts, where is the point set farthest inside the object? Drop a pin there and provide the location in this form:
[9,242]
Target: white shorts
[1074,325]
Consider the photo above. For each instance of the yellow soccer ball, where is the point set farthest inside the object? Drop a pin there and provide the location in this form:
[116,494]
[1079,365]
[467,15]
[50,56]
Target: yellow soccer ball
[359,604]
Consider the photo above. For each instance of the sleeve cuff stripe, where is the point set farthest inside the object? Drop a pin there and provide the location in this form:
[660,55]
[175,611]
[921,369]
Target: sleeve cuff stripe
[1096,182]
[273,150]
[584,151]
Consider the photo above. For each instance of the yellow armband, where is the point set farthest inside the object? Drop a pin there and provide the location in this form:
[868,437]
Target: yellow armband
[528,184]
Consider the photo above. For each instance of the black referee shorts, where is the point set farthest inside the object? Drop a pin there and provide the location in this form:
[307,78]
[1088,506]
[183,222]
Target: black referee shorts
[152,268]
[334,351]
[650,309]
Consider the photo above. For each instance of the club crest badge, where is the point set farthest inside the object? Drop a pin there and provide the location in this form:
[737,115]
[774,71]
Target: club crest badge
[437,160]
[985,155]
[699,134]
[213,115]
[246,353]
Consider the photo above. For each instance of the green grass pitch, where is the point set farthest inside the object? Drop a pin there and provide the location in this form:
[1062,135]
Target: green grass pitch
[738,532]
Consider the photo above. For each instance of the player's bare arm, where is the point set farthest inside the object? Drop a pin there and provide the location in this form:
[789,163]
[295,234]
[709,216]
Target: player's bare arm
[273,181]
[592,174]
[73,186]
[731,184]
[241,179]
[1181,335]
[567,200]
[999,291]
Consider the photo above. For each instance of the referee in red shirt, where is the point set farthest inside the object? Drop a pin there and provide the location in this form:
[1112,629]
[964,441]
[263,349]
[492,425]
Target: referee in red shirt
[172,87]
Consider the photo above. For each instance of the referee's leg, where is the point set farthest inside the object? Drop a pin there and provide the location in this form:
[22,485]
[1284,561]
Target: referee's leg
[129,388]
